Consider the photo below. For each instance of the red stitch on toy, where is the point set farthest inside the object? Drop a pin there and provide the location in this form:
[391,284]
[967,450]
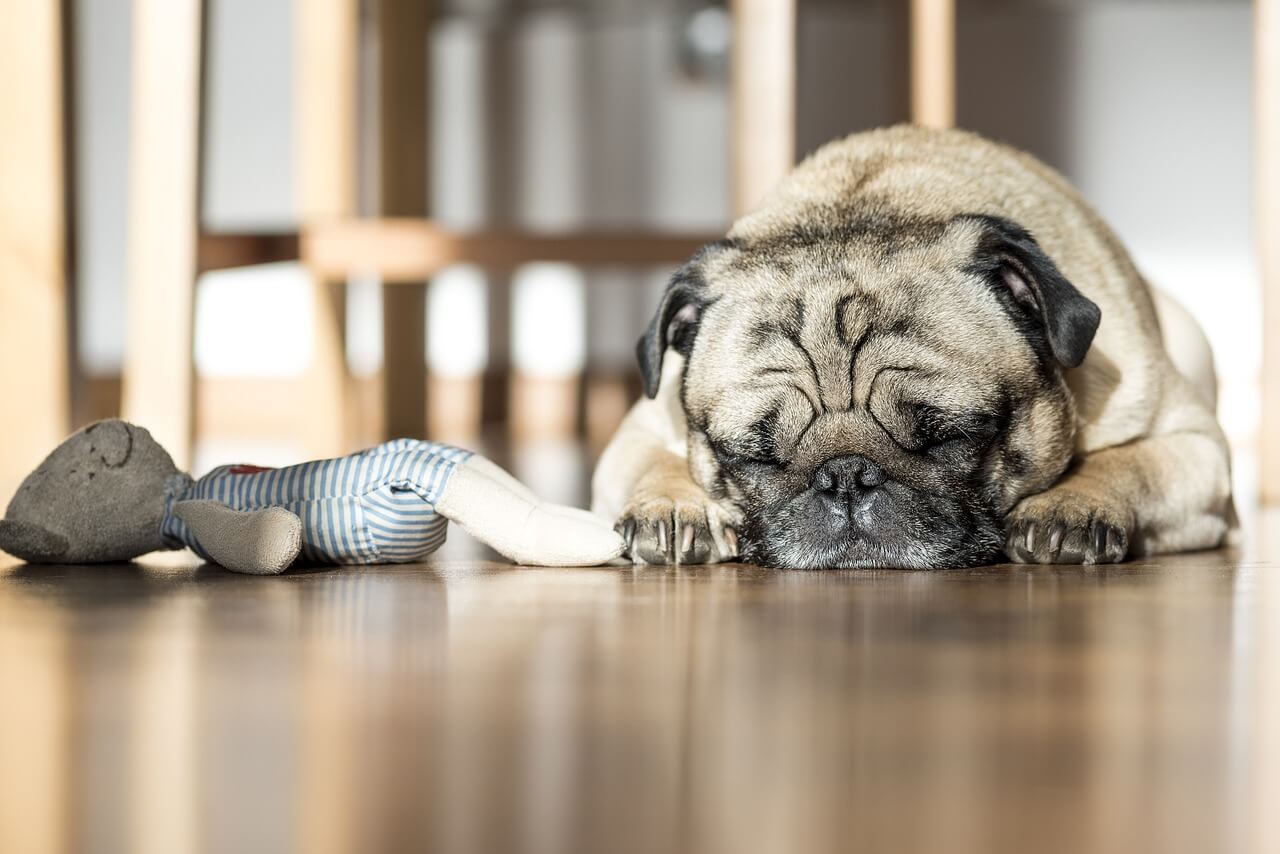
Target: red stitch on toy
[247,469]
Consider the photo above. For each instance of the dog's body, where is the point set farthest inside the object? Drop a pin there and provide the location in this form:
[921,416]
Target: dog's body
[898,360]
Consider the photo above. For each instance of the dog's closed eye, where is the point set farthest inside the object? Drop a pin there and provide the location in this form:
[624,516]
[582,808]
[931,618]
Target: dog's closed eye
[935,427]
[731,456]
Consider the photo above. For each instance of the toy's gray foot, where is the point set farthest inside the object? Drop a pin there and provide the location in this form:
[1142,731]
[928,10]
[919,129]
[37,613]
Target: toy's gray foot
[259,542]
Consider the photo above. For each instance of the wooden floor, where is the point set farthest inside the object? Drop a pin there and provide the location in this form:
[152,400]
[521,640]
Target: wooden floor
[471,706]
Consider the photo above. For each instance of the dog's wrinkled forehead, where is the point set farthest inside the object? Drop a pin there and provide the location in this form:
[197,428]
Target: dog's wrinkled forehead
[822,317]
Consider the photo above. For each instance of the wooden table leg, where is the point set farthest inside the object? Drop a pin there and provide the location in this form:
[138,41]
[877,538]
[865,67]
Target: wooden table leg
[34,385]
[164,204]
[402,178]
[933,63]
[763,97]
[325,77]
[35,390]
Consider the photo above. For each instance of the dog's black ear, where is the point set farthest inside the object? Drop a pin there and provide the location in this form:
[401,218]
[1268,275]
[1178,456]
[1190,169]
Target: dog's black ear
[1012,259]
[675,324]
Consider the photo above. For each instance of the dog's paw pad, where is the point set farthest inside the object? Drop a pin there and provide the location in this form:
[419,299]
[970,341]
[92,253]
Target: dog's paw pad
[670,531]
[1052,528]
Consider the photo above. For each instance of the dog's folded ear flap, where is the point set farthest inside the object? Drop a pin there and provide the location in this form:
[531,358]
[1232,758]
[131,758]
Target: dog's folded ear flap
[31,542]
[1011,258]
[672,325]
[675,324]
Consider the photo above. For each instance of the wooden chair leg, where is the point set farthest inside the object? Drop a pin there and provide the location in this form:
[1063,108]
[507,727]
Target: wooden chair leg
[325,81]
[763,97]
[34,383]
[933,61]
[402,168]
[159,372]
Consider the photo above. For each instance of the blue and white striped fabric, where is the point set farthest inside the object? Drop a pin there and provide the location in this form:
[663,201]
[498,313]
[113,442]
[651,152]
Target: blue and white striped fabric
[377,506]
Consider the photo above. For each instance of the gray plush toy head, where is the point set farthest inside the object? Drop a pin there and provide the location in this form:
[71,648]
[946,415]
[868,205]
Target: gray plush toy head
[99,497]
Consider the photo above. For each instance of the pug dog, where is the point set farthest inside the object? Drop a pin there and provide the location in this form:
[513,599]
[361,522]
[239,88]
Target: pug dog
[924,349]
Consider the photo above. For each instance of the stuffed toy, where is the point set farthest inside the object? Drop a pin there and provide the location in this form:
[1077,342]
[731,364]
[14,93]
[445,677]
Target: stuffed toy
[111,493]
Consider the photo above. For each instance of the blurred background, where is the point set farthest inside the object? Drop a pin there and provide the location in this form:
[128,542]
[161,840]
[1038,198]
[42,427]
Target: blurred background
[280,229]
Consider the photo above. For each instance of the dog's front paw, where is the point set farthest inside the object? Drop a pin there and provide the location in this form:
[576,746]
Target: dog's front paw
[1061,526]
[691,528]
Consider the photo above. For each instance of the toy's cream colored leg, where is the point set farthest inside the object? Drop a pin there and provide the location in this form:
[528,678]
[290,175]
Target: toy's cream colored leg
[513,521]
[505,478]
[259,542]
[500,475]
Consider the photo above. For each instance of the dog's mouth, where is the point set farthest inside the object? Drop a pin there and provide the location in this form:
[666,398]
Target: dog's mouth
[910,532]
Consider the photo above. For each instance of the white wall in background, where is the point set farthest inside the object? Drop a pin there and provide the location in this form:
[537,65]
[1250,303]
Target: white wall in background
[547,320]
[548,93]
[461,72]
[457,331]
[254,322]
[250,121]
[364,326]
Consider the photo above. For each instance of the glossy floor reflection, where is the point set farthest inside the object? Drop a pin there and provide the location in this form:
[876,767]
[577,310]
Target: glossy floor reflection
[475,707]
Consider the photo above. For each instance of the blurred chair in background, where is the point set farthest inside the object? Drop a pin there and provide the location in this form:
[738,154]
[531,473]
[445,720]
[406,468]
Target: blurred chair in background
[399,245]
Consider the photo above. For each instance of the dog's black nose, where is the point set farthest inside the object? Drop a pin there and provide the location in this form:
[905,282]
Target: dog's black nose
[843,478]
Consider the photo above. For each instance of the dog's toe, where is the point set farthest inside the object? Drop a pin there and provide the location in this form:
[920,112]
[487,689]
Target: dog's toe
[670,531]
[1059,527]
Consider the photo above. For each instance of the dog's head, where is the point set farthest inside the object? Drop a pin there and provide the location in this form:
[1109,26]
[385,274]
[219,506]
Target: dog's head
[877,394]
